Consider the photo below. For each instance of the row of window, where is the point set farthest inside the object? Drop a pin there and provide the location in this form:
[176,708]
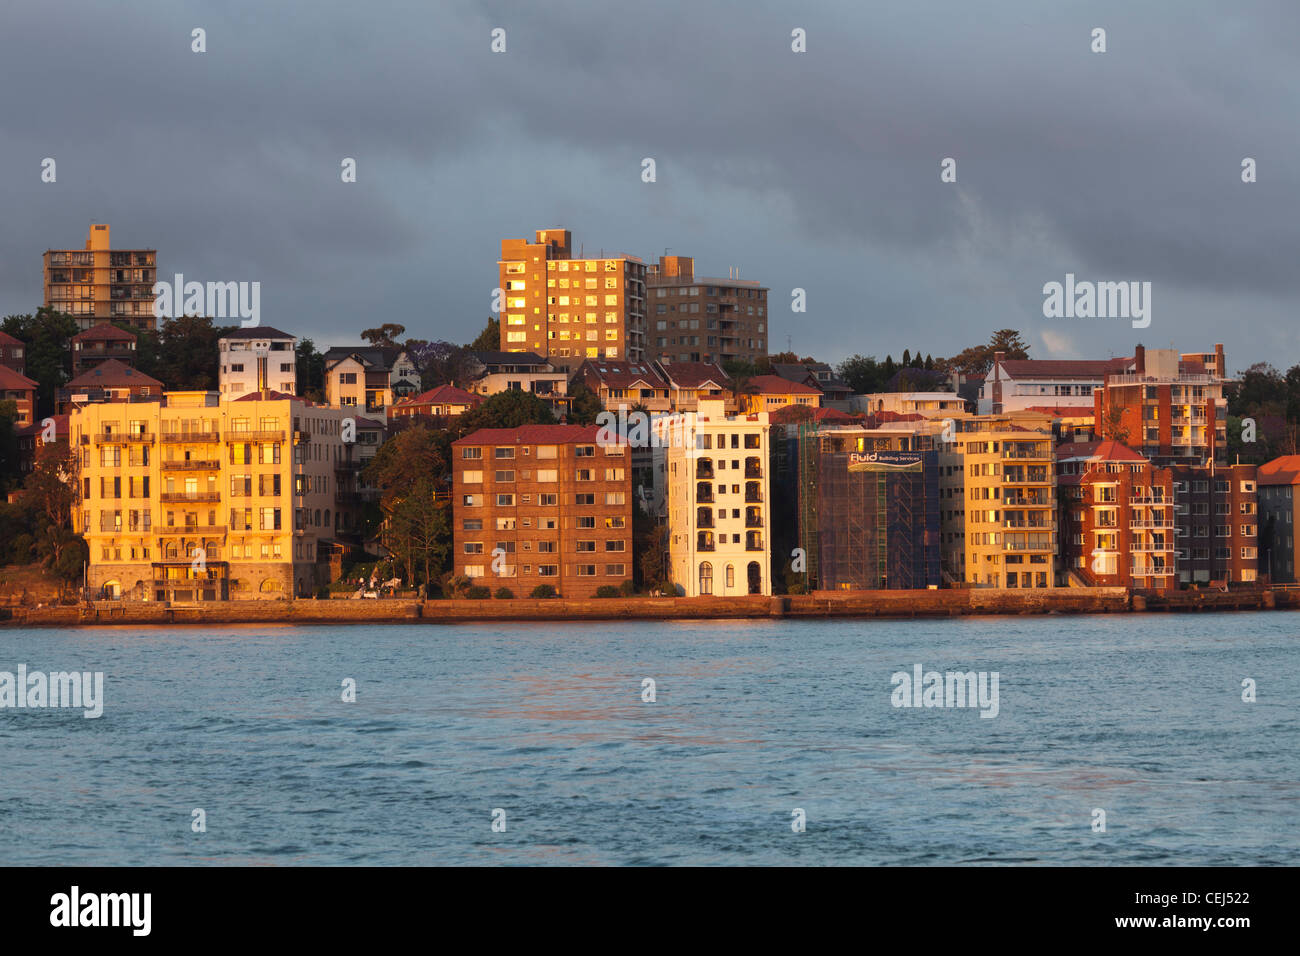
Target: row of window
[545,501]
[549,570]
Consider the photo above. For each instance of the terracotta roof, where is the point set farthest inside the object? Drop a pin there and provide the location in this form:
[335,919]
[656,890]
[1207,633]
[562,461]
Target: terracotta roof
[695,374]
[1064,368]
[1280,471]
[1097,451]
[776,385]
[7,339]
[272,395]
[110,373]
[792,414]
[443,394]
[104,332]
[622,374]
[60,427]
[534,435]
[11,380]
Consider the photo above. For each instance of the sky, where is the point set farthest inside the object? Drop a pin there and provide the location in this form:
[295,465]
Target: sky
[816,170]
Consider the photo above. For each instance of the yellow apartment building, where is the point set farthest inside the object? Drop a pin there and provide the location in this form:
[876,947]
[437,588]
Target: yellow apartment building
[189,498]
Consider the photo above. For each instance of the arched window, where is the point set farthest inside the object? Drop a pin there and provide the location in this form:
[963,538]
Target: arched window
[755,578]
[706,578]
[731,576]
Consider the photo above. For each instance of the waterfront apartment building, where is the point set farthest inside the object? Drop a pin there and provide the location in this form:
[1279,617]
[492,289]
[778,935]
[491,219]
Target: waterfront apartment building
[1216,518]
[1279,517]
[257,358]
[718,503]
[542,504]
[571,308]
[189,498]
[1168,407]
[998,501]
[702,319]
[101,284]
[1117,518]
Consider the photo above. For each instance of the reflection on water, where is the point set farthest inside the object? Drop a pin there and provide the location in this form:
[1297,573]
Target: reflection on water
[1141,717]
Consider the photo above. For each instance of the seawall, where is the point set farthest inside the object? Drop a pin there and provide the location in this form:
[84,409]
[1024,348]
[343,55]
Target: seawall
[891,604]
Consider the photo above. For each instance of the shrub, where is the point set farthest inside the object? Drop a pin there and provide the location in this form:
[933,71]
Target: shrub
[544,591]
[323,591]
[608,591]
[627,588]
[504,594]
[478,592]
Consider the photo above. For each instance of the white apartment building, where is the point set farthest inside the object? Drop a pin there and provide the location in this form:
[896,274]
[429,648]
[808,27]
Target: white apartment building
[718,503]
[255,359]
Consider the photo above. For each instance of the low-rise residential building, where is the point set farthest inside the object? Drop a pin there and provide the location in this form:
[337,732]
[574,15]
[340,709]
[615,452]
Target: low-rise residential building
[653,386]
[1117,518]
[13,353]
[718,511]
[100,343]
[767,393]
[443,402]
[369,380]
[521,372]
[542,505]
[190,499]
[1279,517]
[836,393]
[109,381]
[257,358]
[923,404]
[1216,518]
[21,390]
[1018,385]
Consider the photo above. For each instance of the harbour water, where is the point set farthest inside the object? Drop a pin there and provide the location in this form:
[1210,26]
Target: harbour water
[1138,715]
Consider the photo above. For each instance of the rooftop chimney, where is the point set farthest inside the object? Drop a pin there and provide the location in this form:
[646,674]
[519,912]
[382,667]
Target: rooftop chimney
[1139,359]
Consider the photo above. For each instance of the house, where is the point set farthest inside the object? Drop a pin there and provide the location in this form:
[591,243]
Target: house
[835,392]
[369,379]
[496,372]
[767,393]
[257,358]
[12,353]
[101,342]
[445,401]
[1015,385]
[109,381]
[18,388]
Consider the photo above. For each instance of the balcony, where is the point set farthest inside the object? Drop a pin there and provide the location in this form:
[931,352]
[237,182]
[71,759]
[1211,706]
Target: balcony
[753,518]
[123,438]
[753,541]
[196,530]
[1150,500]
[1026,523]
[177,438]
[704,493]
[704,518]
[1151,571]
[704,541]
[704,468]
[1154,525]
[193,464]
[250,436]
[181,497]
[753,492]
[752,468]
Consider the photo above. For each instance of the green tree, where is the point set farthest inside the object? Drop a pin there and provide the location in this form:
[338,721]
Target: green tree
[47,337]
[508,409]
[9,470]
[489,340]
[978,359]
[586,405]
[310,371]
[188,354]
[385,336]
[863,374]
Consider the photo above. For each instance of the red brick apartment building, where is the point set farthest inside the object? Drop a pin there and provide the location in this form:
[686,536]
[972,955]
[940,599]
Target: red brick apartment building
[702,319]
[1170,407]
[1117,518]
[1216,511]
[553,503]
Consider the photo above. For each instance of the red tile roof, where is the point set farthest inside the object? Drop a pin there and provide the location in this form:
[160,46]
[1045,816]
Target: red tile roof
[7,339]
[104,332]
[112,373]
[1098,451]
[1280,471]
[776,385]
[442,395]
[695,374]
[622,374]
[1064,368]
[11,380]
[271,396]
[792,414]
[535,435]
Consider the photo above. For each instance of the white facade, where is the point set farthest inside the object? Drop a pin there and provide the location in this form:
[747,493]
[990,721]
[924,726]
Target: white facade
[248,363]
[925,404]
[719,520]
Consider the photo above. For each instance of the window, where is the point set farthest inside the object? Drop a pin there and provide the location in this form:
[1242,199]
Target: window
[505,501]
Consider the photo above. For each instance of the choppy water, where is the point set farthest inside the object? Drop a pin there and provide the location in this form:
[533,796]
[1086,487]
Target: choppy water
[1138,715]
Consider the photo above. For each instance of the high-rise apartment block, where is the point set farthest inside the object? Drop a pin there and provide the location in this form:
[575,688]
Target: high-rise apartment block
[703,319]
[189,498]
[571,308]
[542,504]
[101,284]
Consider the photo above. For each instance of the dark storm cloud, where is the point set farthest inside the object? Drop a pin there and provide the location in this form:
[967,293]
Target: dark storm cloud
[816,170]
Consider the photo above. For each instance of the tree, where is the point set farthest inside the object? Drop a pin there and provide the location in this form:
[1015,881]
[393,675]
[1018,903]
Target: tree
[412,471]
[585,405]
[310,370]
[978,359]
[489,340]
[188,354]
[47,337]
[440,363]
[385,336]
[509,409]
[9,470]
[863,374]
[1112,424]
